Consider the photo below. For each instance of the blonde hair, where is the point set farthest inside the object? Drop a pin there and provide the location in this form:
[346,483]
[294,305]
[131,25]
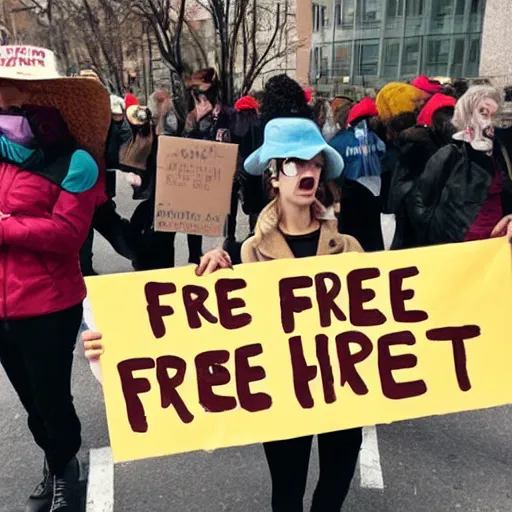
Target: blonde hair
[468,102]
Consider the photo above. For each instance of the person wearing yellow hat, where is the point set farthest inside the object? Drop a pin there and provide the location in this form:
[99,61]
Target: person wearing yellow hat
[396,98]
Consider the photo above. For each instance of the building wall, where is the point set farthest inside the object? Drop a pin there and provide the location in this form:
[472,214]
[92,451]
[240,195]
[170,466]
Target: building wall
[497,42]
[371,42]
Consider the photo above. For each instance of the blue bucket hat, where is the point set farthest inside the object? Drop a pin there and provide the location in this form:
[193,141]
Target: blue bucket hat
[294,138]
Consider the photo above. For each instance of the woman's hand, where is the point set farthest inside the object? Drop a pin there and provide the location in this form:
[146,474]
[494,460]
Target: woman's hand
[212,261]
[203,107]
[93,345]
[504,227]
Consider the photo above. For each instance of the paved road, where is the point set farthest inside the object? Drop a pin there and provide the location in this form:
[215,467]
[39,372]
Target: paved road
[460,462]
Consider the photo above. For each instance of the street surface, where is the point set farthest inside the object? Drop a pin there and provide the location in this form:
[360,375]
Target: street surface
[461,462]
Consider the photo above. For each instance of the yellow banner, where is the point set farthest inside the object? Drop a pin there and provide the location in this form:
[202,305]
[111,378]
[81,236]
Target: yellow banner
[280,350]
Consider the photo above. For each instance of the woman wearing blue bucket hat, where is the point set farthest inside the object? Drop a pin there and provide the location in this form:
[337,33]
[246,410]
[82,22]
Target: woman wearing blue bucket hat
[295,224]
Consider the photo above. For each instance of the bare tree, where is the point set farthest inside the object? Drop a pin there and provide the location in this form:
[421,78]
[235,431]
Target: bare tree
[248,36]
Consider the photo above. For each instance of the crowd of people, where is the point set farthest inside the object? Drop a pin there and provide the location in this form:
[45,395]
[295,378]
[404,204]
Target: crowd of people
[313,177]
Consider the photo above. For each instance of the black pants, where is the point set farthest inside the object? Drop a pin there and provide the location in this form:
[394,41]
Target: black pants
[289,463]
[37,356]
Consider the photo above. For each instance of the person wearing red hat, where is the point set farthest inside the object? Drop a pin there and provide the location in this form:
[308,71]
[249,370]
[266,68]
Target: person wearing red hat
[246,132]
[416,146]
[425,84]
[361,150]
[130,100]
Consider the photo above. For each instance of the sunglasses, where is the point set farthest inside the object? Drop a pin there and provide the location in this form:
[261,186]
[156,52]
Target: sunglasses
[292,166]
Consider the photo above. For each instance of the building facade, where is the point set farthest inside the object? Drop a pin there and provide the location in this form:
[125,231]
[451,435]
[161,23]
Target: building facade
[372,42]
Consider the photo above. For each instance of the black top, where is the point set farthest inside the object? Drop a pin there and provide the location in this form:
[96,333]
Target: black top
[303,246]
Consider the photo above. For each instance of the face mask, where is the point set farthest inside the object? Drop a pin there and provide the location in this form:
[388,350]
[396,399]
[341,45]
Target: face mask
[17,129]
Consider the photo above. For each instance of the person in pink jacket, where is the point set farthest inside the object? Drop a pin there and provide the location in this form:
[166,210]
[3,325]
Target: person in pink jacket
[47,200]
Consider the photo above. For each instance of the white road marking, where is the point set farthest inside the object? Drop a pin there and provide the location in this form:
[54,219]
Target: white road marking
[100,491]
[369,460]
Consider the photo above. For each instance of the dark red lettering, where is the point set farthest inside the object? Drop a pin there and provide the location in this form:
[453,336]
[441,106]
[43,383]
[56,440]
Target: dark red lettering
[211,373]
[325,298]
[302,373]
[324,361]
[398,296]
[358,296]
[348,360]
[290,304]
[457,335]
[132,387]
[388,363]
[194,298]
[168,385]
[226,305]
[245,374]
[156,311]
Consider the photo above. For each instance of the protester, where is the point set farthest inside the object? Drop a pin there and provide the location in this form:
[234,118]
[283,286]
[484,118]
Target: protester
[168,122]
[427,85]
[282,97]
[106,220]
[341,107]
[295,224]
[462,192]
[416,146]
[48,196]
[246,132]
[324,118]
[361,150]
[208,119]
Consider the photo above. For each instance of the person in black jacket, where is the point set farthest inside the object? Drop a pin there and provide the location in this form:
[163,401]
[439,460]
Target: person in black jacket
[464,192]
[416,145]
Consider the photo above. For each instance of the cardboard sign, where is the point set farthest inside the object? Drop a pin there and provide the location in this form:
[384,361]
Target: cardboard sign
[193,186]
[279,350]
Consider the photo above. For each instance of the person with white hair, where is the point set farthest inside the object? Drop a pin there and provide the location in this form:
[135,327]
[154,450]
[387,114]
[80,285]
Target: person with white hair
[465,191]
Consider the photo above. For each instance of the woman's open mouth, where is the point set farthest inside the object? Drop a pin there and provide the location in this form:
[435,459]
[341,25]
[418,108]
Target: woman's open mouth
[307,183]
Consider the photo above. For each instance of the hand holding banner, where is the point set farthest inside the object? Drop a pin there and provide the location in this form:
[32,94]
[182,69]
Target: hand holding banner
[290,348]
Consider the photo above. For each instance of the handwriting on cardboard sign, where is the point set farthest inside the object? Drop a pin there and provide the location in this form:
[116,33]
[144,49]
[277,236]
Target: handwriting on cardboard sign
[229,309]
[22,56]
[194,182]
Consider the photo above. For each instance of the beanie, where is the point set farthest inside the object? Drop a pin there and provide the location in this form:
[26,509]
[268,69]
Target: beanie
[246,103]
[365,108]
[437,102]
[130,100]
[396,98]
[426,85]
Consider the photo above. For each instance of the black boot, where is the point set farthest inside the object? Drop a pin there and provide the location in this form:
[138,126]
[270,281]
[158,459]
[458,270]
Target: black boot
[66,491]
[41,499]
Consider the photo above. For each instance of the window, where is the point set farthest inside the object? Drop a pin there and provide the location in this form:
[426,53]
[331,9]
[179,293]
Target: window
[473,57]
[337,13]
[395,8]
[414,8]
[342,55]
[391,56]
[411,56]
[477,6]
[458,59]
[442,7]
[437,57]
[370,10]
[459,7]
[368,58]
[316,17]
[348,13]
[323,17]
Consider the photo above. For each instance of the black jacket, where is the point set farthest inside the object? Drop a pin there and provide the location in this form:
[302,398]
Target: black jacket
[415,147]
[446,199]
